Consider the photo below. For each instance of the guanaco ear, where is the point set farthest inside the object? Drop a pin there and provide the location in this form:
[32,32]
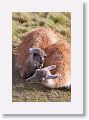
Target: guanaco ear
[31,50]
[52,76]
[51,67]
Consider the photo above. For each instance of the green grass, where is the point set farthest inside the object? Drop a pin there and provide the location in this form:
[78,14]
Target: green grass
[26,22]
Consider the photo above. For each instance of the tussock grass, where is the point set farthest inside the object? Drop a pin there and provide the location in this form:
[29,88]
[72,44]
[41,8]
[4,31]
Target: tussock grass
[26,22]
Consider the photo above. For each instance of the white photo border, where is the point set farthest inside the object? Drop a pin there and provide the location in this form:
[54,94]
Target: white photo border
[76,104]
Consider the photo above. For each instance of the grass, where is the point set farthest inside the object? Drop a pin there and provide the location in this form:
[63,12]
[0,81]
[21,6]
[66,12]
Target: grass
[26,22]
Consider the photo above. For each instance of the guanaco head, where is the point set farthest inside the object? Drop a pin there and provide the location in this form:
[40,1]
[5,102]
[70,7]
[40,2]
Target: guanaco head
[42,74]
[37,56]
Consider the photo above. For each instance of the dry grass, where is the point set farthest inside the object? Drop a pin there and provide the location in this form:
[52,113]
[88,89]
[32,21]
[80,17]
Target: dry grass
[26,22]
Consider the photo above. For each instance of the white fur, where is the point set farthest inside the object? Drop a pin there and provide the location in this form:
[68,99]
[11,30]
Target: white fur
[49,83]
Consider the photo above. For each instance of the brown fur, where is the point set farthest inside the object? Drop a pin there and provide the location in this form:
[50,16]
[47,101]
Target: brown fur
[59,54]
[40,38]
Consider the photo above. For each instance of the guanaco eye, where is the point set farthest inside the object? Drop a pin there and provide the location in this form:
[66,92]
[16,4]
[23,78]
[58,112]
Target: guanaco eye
[35,54]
